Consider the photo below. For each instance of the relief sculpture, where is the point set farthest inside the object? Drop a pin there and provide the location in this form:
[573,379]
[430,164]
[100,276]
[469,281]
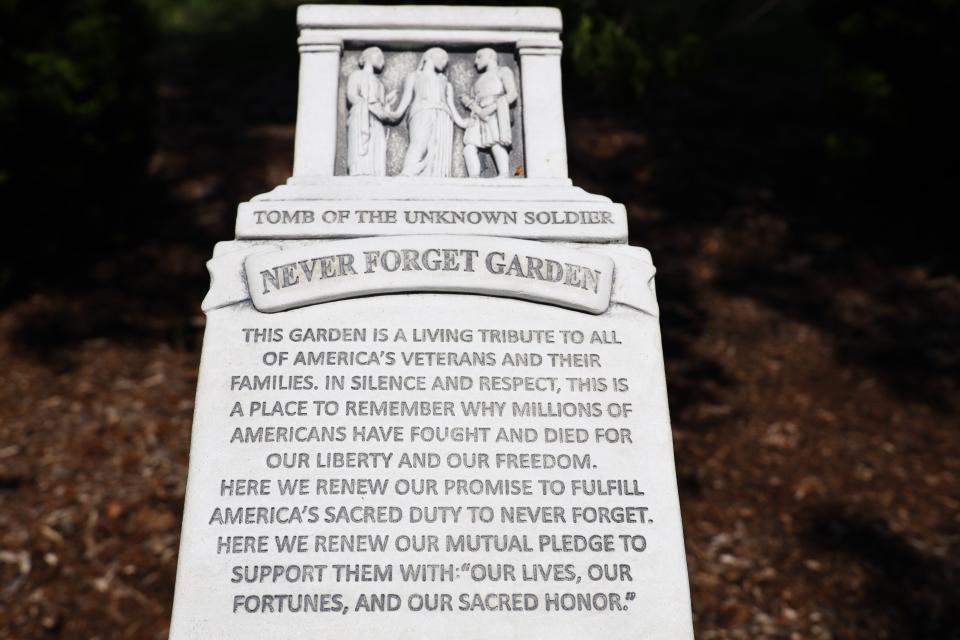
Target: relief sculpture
[366,134]
[489,127]
[427,101]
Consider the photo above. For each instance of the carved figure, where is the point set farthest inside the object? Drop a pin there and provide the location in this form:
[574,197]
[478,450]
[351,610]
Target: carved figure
[489,120]
[427,99]
[366,135]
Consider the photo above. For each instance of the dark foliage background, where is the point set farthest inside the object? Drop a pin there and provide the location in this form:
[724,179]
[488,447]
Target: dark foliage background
[790,163]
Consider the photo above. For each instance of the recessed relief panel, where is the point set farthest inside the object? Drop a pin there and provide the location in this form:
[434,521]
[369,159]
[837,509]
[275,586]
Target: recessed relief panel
[434,112]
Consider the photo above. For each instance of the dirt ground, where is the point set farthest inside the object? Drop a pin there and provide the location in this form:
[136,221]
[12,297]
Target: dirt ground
[812,374]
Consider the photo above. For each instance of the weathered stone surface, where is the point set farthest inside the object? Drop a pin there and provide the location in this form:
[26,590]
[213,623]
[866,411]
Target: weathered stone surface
[431,405]
[502,419]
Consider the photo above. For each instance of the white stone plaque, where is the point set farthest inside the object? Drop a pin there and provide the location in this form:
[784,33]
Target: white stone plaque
[415,419]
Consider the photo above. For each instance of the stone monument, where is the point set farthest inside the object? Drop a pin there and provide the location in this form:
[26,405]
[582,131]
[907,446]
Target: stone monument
[431,400]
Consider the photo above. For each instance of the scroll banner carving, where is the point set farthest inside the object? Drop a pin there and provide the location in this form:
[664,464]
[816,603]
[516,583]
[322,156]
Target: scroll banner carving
[287,279]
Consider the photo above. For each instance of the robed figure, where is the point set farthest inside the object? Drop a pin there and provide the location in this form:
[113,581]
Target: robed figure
[368,103]
[427,99]
[494,91]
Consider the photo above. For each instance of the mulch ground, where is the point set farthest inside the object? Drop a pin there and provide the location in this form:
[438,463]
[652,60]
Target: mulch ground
[813,390]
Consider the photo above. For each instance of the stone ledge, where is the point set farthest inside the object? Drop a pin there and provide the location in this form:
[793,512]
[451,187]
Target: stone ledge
[327,16]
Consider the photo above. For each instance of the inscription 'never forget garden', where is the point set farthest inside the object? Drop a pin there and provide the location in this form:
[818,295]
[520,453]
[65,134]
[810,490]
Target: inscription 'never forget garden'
[431,401]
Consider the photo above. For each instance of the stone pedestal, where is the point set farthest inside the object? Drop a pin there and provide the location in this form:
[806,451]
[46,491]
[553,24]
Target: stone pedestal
[431,406]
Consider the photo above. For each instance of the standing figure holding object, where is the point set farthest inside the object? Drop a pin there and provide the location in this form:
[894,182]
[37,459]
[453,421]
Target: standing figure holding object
[489,127]
[366,135]
[428,101]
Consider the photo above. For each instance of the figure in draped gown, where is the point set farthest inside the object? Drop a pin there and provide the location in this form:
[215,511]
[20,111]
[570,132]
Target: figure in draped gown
[427,99]
[489,120]
[368,102]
